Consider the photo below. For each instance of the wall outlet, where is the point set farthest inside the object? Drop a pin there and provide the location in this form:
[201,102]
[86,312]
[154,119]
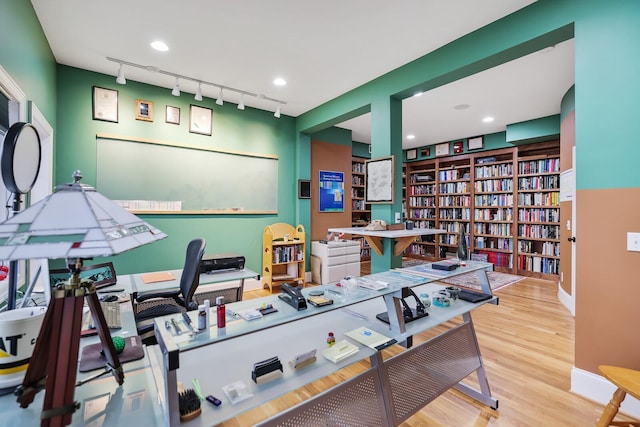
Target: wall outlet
[397,217]
[633,242]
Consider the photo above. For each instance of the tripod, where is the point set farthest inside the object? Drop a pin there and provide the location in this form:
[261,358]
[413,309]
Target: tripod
[54,363]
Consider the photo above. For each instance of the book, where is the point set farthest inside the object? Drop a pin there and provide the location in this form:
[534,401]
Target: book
[340,351]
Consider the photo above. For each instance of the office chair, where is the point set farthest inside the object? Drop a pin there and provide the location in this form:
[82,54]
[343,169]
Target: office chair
[175,301]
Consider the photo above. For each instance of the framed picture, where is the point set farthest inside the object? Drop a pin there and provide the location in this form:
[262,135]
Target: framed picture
[412,154]
[105,104]
[379,175]
[458,147]
[331,191]
[200,120]
[442,149]
[475,143]
[425,152]
[144,110]
[172,115]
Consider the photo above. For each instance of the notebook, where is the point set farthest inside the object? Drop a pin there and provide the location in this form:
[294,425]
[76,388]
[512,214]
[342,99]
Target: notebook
[370,338]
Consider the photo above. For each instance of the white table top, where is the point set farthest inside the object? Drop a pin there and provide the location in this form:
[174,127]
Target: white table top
[391,234]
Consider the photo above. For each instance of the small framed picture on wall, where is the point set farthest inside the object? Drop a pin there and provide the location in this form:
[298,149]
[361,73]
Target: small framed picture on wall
[172,115]
[144,110]
[475,143]
[200,120]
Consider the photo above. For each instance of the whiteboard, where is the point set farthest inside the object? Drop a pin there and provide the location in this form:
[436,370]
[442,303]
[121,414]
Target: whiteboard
[204,181]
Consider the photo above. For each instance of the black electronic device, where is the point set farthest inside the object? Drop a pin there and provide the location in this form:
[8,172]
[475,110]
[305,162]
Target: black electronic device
[409,313]
[446,265]
[292,295]
[214,263]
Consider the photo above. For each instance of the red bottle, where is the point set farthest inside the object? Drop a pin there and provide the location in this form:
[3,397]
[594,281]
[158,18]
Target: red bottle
[221,312]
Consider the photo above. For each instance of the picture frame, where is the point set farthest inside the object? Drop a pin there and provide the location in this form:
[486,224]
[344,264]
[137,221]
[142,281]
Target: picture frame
[442,149]
[475,143]
[104,104]
[144,110]
[172,115]
[412,154]
[458,147]
[380,180]
[425,152]
[200,120]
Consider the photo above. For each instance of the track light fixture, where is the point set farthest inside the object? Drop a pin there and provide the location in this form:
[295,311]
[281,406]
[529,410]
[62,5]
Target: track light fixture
[120,79]
[220,101]
[176,88]
[277,113]
[198,93]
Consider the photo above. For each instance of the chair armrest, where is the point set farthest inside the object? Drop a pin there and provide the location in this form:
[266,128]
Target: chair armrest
[166,294]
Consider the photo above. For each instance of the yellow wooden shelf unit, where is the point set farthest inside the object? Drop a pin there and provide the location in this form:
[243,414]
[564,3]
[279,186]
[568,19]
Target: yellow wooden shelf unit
[283,253]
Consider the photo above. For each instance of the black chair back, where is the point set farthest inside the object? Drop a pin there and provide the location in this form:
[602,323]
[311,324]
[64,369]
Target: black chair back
[190,278]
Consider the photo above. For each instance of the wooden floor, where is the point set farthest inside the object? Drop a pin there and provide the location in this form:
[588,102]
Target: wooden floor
[527,344]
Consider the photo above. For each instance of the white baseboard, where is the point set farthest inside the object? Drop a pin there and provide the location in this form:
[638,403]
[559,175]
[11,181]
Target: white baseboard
[599,389]
[567,300]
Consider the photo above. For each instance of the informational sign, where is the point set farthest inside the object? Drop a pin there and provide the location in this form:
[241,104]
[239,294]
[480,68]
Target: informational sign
[331,191]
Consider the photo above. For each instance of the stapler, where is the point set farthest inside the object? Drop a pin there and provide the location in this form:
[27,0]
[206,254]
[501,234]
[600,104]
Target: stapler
[293,296]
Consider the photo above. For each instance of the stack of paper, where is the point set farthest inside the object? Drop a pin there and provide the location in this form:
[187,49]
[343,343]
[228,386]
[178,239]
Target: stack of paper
[370,338]
[340,351]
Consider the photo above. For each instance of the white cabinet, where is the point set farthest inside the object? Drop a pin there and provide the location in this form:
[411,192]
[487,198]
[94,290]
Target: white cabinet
[334,260]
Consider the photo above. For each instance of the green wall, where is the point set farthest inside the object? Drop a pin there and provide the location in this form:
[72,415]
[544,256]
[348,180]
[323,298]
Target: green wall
[251,130]
[26,57]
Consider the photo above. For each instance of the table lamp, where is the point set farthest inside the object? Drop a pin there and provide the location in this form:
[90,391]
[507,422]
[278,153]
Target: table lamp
[75,222]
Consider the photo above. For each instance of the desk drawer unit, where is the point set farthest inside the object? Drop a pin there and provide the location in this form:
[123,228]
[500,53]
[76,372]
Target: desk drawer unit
[338,259]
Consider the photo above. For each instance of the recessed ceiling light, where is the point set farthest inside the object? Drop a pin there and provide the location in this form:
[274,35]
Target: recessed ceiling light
[411,136]
[159,45]
[279,81]
[488,119]
[461,107]
[418,94]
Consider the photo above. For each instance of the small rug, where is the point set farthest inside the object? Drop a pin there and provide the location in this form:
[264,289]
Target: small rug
[470,280]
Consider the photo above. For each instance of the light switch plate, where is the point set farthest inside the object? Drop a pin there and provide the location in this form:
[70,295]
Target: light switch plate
[633,242]
[397,217]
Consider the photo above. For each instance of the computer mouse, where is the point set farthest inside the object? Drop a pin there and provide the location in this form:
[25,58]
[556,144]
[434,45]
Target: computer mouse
[109,298]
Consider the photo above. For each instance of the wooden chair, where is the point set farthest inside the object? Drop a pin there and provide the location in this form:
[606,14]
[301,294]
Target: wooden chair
[627,381]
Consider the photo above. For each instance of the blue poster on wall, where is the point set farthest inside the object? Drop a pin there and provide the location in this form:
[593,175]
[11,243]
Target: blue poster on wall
[331,191]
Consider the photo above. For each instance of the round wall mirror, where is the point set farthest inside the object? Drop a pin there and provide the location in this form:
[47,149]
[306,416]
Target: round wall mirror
[21,156]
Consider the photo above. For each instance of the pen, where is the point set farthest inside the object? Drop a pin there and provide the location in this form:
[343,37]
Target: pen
[175,325]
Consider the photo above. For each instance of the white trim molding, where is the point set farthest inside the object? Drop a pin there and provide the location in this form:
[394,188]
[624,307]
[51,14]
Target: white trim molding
[599,389]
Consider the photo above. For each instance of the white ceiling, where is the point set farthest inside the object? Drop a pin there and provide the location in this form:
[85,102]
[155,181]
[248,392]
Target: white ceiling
[322,49]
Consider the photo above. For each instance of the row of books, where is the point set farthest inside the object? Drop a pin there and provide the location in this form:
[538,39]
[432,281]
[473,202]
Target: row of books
[535,231]
[455,213]
[547,182]
[422,201]
[539,166]
[502,243]
[454,187]
[452,174]
[501,229]
[498,258]
[422,189]
[543,248]
[504,184]
[503,169]
[539,214]
[493,200]
[421,178]
[282,254]
[539,199]
[357,167]
[358,205]
[539,264]
[454,201]
[357,180]
[493,214]
[422,213]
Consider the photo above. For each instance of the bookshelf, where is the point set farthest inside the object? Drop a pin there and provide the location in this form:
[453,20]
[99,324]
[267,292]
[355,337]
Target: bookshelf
[493,208]
[507,200]
[421,206]
[453,201]
[360,212]
[538,221]
[283,252]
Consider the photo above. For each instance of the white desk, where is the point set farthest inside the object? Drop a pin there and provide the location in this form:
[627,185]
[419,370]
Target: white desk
[403,238]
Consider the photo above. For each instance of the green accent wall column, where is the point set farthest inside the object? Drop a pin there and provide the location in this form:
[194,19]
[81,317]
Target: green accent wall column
[303,206]
[386,140]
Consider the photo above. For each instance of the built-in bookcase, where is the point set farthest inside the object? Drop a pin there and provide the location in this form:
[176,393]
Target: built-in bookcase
[506,200]
[360,211]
